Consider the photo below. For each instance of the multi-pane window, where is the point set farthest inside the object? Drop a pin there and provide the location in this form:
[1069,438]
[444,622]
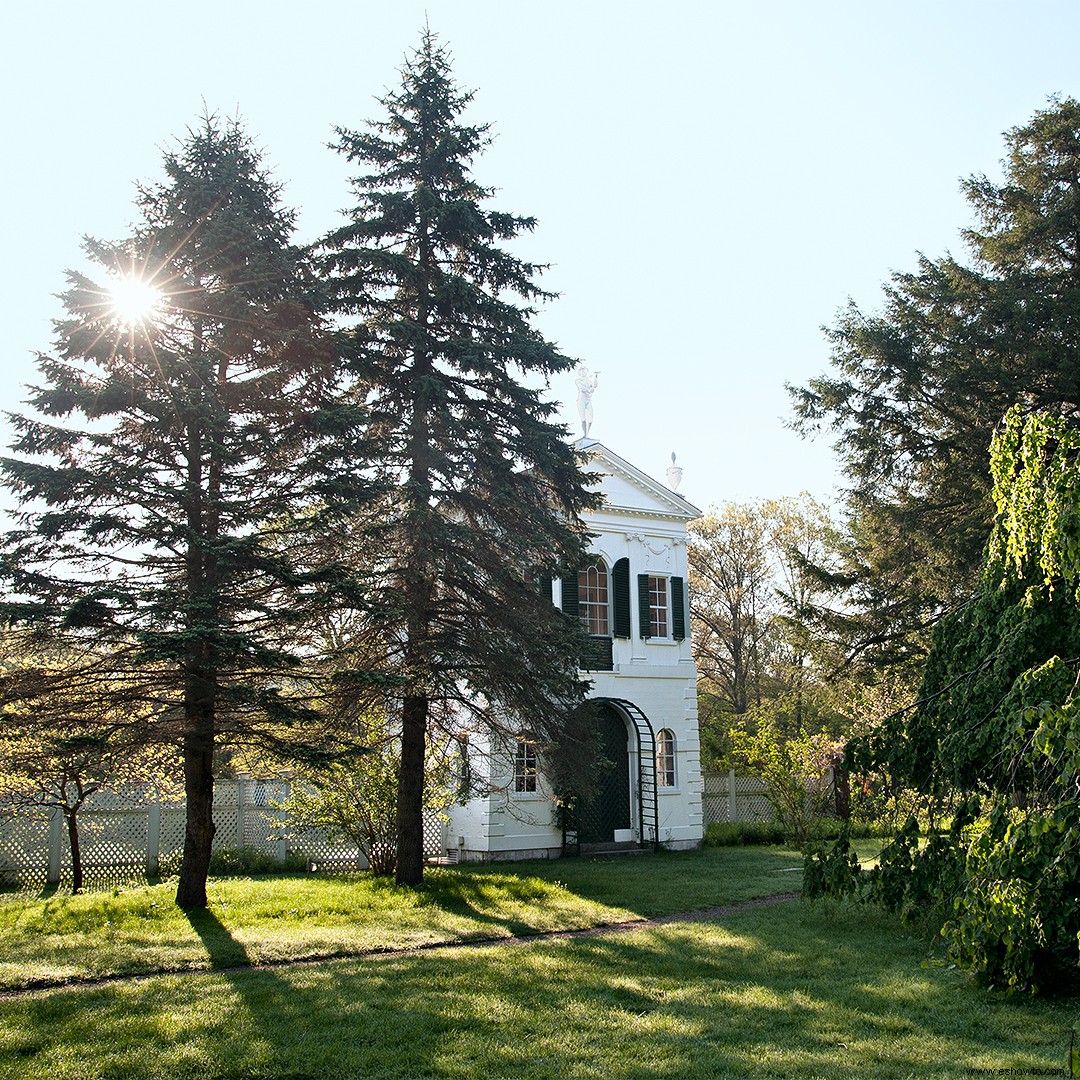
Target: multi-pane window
[524,766]
[593,599]
[658,607]
[665,759]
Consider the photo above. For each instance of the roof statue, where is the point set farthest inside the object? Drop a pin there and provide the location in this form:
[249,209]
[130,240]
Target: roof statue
[674,474]
[586,387]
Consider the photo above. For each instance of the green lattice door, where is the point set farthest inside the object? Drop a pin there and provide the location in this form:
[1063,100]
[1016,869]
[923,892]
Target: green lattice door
[608,808]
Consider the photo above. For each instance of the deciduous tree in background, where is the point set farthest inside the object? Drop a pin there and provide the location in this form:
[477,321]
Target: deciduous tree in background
[68,729]
[761,656]
[487,490]
[190,438]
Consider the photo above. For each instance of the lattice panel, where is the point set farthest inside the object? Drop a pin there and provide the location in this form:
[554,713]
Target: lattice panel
[110,839]
[24,848]
[751,803]
[323,854]
[171,841]
[434,835]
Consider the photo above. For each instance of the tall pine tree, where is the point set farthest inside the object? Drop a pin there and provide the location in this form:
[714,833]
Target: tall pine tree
[487,489]
[190,442]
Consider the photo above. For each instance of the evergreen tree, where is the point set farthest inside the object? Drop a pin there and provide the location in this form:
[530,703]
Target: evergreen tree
[917,390]
[190,441]
[487,490]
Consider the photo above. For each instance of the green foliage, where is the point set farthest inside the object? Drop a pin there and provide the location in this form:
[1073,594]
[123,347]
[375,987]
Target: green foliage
[244,861]
[920,391]
[757,645]
[355,802]
[999,717]
[355,799]
[744,833]
[797,774]
[831,870]
[917,390]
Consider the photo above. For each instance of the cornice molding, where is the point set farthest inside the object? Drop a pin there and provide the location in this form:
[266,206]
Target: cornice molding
[677,507]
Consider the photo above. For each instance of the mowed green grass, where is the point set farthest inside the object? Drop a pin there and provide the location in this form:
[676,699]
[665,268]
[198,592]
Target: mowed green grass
[260,920]
[783,991]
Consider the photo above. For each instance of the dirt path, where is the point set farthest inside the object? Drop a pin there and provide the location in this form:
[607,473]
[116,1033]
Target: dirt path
[702,915]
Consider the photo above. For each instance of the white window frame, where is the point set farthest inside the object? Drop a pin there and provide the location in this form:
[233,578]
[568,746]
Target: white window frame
[666,635]
[526,768]
[662,769]
[586,607]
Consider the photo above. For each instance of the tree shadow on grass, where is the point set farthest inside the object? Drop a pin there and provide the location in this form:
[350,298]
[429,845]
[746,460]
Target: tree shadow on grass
[222,949]
[666,881]
[772,992]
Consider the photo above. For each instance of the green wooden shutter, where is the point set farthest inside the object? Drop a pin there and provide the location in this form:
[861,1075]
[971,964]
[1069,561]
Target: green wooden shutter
[678,608]
[643,605]
[570,594]
[620,588]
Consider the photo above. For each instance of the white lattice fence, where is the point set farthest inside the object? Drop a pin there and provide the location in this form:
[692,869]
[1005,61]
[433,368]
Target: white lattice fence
[24,847]
[129,832]
[731,798]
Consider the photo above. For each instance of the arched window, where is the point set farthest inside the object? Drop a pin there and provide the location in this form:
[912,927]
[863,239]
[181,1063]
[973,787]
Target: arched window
[665,759]
[593,599]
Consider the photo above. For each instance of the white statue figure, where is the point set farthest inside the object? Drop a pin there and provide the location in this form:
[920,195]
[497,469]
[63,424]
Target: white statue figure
[586,386]
[674,474]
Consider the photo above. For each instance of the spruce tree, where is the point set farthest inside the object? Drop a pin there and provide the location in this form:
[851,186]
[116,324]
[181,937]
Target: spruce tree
[917,390]
[487,489]
[190,443]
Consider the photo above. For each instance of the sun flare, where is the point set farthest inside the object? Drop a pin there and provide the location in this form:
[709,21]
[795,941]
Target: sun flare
[134,300]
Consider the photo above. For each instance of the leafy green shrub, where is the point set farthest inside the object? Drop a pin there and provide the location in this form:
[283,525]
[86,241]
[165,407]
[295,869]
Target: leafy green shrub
[752,833]
[241,861]
[169,865]
[355,801]
[743,833]
[798,775]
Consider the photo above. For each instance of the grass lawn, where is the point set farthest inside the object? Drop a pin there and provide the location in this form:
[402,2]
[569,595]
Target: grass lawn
[784,991]
[255,920]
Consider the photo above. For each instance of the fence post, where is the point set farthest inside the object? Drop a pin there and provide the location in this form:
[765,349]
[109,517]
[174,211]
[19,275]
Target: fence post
[240,810]
[153,839]
[733,801]
[56,821]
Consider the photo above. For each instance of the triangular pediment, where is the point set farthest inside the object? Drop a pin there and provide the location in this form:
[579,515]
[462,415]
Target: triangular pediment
[627,489]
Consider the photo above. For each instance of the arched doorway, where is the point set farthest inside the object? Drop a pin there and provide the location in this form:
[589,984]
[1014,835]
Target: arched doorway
[607,808]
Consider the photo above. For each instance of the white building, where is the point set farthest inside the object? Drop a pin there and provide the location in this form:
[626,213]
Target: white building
[633,600]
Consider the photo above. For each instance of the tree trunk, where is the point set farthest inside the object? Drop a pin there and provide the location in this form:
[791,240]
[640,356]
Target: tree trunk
[410,815]
[200,677]
[71,817]
[199,792]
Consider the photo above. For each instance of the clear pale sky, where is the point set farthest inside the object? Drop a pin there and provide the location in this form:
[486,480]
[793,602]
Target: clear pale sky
[712,180]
